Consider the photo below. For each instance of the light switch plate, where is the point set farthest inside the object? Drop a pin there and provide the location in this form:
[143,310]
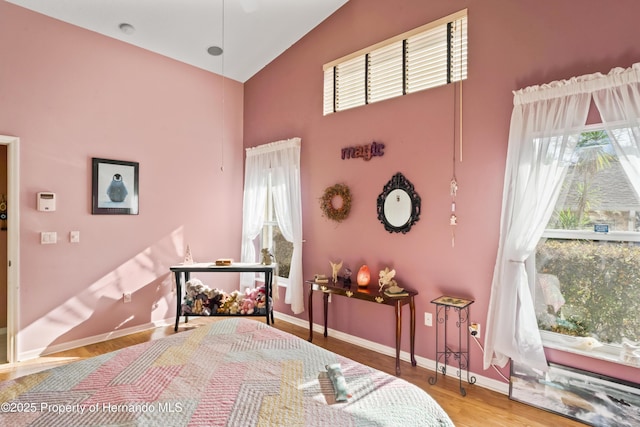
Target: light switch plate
[48,237]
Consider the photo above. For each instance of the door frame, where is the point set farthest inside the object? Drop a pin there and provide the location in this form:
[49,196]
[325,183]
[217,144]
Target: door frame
[13,244]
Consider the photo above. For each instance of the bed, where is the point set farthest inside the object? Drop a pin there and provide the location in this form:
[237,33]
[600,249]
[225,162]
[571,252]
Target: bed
[232,372]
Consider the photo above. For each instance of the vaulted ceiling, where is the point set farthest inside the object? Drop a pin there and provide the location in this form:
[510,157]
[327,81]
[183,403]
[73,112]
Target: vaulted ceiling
[251,32]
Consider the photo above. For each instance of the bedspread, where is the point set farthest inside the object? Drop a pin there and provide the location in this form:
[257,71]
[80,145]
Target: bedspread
[232,372]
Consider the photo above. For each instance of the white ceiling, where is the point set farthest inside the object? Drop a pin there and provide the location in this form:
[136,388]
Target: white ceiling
[255,31]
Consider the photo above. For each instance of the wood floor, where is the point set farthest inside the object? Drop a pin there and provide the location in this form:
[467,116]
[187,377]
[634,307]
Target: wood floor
[480,407]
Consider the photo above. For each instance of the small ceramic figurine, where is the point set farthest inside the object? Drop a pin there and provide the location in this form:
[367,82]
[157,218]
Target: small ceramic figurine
[267,257]
[347,276]
[386,276]
[188,258]
[386,279]
[335,269]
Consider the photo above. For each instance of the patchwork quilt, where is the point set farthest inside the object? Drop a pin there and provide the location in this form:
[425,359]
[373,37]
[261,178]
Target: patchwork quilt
[233,372]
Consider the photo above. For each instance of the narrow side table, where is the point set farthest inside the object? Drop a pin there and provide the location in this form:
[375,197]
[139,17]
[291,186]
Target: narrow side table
[353,291]
[444,351]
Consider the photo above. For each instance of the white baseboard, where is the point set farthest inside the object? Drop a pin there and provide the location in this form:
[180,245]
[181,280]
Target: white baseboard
[482,381]
[44,351]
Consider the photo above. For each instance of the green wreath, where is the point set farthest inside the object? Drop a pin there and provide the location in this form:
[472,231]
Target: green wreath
[326,202]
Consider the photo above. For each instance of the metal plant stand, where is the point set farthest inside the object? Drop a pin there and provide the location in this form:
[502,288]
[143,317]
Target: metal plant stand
[444,351]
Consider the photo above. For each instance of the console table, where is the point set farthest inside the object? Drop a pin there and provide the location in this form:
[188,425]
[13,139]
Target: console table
[444,351]
[183,272]
[352,290]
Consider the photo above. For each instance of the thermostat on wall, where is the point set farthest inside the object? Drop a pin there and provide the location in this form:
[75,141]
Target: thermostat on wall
[46,202]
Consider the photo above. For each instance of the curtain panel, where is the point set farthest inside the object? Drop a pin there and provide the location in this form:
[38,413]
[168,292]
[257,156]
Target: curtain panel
[281,160]
[619,105]
[545,125]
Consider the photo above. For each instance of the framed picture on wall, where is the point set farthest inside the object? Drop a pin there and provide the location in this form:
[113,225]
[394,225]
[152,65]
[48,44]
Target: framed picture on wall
[114,187]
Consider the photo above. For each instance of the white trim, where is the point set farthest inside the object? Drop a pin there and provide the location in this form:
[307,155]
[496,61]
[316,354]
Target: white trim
[44,351]
[13,244]
[485,382]
[614,236]
[273,146]
[569,344]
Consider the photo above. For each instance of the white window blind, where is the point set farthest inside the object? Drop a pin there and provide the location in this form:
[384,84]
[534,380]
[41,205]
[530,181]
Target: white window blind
[328,99]
[427,60]
[385,77]
[350,84]
[429,56]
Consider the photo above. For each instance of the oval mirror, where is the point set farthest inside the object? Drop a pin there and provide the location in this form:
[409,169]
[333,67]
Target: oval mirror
[397,208]
[398,205]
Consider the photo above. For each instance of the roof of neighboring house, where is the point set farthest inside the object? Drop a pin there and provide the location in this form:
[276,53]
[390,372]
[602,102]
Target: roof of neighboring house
[611,191]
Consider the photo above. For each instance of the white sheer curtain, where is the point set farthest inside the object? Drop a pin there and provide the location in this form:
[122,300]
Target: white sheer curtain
[256,174]
[281,160]
[545,124]
[287,199]
[619,105]
[541,139]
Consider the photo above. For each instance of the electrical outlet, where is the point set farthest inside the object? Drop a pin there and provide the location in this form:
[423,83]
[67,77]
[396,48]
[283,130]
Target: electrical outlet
[126,297]
[428,320]
[474,329]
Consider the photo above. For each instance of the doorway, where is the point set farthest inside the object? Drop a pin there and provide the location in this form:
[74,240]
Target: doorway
[4,257]
[10,267]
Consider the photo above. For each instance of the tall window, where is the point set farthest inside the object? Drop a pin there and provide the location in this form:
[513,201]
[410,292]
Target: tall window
[272,238]
[429,56]
[588,260]
[569,226]
[272,213]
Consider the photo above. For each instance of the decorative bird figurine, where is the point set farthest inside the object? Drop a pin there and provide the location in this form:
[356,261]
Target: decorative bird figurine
[117,191]
[335,269]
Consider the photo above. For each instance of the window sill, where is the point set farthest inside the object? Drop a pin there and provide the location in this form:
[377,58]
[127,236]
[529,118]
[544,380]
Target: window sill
[608,352]
[281,282]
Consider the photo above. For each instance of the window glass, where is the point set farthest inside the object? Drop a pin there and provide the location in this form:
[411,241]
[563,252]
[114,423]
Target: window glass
[588,261]
[272,238]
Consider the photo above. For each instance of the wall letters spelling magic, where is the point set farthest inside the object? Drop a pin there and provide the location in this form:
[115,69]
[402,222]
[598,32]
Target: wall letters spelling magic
[363,151]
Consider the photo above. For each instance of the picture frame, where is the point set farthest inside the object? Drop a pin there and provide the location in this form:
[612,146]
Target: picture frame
[593,399]
[114,187]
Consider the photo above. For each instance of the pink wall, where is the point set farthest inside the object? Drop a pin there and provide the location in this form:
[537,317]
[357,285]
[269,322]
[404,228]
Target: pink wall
[71,95]
[511,45]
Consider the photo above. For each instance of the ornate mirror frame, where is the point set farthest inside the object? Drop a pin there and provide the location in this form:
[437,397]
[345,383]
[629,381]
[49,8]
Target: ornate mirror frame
[398,205]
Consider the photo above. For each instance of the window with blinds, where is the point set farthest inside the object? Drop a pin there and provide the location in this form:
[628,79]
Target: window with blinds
[429,56]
